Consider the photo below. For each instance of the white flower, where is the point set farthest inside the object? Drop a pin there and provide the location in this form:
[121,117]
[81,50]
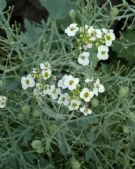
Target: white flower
[3,101]
[83,58]
[109,37]
[91,30]
[72,29]
[27,81]
[74,104]
[89,80]
[86,94]
[98,87]
[88,46]
[70,82]
[61,82]
[94,33]
[55,92]
[37,92]
[85,110]
[98,33]
[46,90]
[104,30]
[34,71]
[103,52]
[83,28]
[86,27]
[46,74]
[39,86]
[63,99]
[45,65]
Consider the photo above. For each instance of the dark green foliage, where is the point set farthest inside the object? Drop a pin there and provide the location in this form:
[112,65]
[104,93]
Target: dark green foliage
[125,46]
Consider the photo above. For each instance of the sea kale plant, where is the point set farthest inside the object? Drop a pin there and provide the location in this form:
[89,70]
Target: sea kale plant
[91,45]
[67,87]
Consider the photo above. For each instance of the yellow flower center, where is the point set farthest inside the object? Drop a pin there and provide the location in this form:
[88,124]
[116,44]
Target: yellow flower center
[27,81]
[63,99]
[54,91]
[98,86]
[108,37]
[72,29]
[46,74]
[71,82]
[83,57]
[86,94]
[46,65]
[103,52]
[86,110]
[94,33]
[74,105]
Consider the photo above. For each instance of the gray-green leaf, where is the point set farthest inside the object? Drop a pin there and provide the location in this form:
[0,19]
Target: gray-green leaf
[59,9]
[2,5]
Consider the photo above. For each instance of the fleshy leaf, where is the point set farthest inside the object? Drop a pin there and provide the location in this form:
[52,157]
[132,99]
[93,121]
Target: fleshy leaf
[59,9]
[2,5]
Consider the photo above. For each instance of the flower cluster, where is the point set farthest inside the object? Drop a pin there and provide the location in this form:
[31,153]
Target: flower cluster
[90,38]
[68,91]
[3,101]
[76,94]
[29,80]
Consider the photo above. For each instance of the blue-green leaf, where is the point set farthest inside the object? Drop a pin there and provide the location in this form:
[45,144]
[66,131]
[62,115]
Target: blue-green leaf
[59,9]
[2,5]
[11,84]
[32,32]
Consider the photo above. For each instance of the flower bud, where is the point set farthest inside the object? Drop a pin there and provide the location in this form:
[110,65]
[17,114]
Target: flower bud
[95,102]
[40,150]
[72,13]
[75,163]
[36,144]
[36,113]
[123,91]
[26,109]
[114,12]
[125,129]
